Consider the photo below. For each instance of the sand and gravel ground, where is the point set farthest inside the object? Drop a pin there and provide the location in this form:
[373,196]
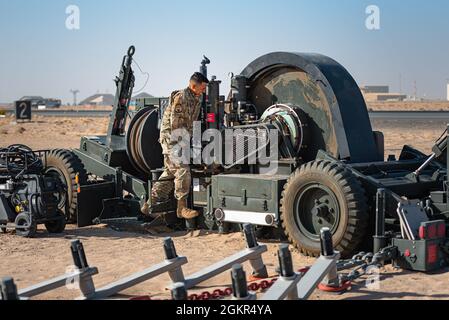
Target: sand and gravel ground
[409,106]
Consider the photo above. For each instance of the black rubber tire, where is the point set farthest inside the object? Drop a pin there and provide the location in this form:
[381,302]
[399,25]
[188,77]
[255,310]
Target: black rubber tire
[23,219]
[57,225]
[67,165]
[3,230]
[349,195]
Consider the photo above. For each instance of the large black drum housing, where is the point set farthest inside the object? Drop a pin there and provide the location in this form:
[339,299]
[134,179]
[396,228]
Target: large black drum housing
[339,122]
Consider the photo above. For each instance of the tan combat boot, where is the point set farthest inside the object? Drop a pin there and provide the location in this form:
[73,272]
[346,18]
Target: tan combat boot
[185,213]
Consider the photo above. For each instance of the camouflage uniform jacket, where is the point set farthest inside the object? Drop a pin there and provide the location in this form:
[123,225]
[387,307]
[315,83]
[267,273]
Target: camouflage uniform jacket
[183,110]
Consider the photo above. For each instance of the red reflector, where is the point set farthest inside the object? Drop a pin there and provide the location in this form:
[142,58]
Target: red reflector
[210,118]
[422,232]
[407,253]
[432,254]
[442,230]
[432,231]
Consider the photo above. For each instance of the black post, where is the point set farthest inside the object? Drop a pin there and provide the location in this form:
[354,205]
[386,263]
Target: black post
[250,236]
[446,147]
[179,292]
[213,103]
[203,68]
[8,289]
[119,183]
[239,285]
[380,240]
[78,254]
[327,247]
[447,163]
[203,71]
[169,249]
[125,84]
[285,261]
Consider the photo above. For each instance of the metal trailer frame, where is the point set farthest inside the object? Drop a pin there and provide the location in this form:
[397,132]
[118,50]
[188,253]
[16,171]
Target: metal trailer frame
[172,265]
[83,275]
[253,254]
[296,286]
[323,275]
[291,285]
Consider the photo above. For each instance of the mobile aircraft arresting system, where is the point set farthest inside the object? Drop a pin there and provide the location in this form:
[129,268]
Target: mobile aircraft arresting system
[330,167]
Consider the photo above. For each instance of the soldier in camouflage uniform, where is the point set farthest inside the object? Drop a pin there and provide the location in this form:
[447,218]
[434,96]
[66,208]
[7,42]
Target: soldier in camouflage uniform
[182,112]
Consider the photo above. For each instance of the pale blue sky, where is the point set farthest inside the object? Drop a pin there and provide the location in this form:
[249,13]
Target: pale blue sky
[39,56]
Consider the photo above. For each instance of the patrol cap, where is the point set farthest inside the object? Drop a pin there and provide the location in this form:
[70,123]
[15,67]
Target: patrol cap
[199,78]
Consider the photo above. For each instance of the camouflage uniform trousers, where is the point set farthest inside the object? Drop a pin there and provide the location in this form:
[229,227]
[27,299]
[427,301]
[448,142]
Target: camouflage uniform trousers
[183,110]
[180,173]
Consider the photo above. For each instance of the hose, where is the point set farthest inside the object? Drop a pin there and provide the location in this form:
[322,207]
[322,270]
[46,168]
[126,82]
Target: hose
[19,159]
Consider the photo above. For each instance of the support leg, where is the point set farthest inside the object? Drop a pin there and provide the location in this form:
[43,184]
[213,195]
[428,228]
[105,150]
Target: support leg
[239,284]
[176,275]
[8,289]
[257,264]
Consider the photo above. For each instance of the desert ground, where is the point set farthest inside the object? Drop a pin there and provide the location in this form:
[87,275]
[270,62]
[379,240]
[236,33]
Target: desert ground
[409,106]
[117,254]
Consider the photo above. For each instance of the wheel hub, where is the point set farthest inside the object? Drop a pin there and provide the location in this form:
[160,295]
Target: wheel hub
[61,196]
[317,208]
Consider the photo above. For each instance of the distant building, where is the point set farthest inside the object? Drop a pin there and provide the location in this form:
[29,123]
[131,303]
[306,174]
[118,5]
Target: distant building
[5,104]
[375,89]
[142,95]
[37,101]
[387,97]
[380,94]
[99,99]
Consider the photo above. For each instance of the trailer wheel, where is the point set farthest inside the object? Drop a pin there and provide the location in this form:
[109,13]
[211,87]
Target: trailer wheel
[24,227]
[324,194]
[65,165]
[57,225]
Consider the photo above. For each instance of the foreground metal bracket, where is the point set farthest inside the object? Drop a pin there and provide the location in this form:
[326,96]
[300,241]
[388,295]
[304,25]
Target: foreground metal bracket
[253,254]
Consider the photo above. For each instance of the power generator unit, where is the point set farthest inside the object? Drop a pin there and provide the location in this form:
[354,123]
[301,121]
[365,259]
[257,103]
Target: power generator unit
[29,195]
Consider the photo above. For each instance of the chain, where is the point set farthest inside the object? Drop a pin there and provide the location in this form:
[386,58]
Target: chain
[363,261]
[256,286]
[219,294]
[360,264]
